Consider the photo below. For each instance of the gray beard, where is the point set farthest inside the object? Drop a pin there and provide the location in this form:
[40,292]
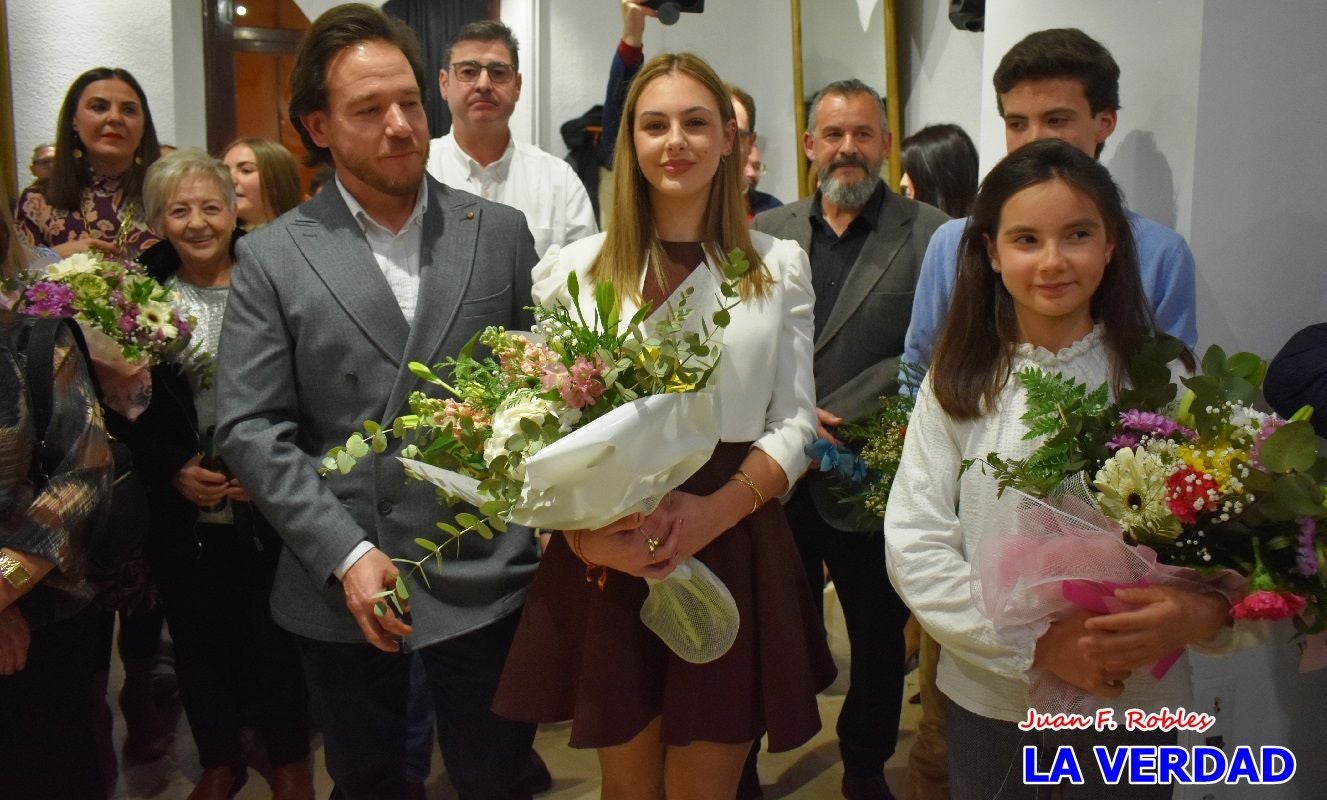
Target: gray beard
[849,195]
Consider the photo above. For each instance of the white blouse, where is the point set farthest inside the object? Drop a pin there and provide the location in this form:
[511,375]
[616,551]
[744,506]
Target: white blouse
[766,387]
[934,519]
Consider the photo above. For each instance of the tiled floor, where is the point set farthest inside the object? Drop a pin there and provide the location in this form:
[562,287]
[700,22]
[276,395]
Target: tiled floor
[812,772]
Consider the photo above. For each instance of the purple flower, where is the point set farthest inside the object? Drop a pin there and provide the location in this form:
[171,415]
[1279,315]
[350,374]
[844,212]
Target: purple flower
[127,322]
[1122,440]
[1306,560]
[1153,424]
[48,299]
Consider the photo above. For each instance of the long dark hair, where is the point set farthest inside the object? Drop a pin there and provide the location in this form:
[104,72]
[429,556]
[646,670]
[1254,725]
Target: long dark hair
[71,175]
[942,163]
[976,345]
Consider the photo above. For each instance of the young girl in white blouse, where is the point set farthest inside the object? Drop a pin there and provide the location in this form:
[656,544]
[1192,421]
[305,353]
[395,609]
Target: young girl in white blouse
[1048,278]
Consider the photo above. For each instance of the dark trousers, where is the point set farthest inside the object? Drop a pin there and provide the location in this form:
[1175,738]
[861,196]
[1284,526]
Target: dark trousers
[234,666]
[361,693]
[47,745]
[868,721]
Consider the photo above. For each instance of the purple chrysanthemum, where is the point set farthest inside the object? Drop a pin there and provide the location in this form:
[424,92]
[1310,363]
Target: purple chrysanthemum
[49,299]
[1122,440]
[1306,560]
[1153,424]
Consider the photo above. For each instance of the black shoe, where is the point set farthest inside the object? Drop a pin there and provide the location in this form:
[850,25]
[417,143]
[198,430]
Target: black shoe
[537,780]
[866,787]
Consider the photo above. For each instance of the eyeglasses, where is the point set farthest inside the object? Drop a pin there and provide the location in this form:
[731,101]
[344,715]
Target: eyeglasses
[498,71]
[747,136]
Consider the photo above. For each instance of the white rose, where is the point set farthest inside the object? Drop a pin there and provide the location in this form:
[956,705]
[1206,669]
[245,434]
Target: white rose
[525,405]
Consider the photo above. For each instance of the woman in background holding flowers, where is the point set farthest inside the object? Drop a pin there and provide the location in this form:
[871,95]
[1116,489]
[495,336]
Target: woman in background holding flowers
[1048,278]
[664,726]
[266,179]
[213,556]
[105,141]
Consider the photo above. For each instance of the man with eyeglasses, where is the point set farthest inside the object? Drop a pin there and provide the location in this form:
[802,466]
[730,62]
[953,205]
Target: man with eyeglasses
[481,82]
[43,164]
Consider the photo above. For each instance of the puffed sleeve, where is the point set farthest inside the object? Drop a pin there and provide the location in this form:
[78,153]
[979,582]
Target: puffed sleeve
[790,417]
[925,552]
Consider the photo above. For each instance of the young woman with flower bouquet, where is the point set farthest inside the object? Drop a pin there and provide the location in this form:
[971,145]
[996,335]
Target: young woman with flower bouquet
[664,726]
[1048,278]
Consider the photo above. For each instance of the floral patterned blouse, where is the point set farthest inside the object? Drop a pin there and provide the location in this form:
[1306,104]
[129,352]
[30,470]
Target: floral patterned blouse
[97,217]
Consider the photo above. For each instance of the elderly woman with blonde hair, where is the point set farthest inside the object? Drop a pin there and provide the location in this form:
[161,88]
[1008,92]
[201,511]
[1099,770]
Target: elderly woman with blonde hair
[213,555]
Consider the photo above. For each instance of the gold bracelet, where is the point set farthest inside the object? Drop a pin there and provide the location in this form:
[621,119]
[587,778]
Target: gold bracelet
[14,573]
[742,477]
[590,567]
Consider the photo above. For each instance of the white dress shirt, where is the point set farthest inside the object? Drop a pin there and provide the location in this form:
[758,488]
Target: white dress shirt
[397,255]
[539,185]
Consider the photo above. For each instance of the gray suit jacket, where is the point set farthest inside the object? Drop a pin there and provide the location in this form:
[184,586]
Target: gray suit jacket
[857,351]
[313,344]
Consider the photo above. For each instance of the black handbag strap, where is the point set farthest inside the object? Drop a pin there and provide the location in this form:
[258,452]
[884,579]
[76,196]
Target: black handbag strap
[40,350]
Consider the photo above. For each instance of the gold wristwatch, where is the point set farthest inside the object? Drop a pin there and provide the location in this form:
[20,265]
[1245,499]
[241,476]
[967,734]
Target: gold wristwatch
[13,571]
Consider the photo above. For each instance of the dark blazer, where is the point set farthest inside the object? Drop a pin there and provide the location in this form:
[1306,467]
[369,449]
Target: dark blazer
[314,343]
[858,348]
[1298,376]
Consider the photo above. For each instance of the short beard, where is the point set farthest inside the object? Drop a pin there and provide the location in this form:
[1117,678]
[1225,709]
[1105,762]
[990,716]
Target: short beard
[849,195]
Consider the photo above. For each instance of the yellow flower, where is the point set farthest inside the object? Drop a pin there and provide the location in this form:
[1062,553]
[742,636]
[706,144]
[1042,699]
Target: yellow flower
[1217,460]
[1133,493]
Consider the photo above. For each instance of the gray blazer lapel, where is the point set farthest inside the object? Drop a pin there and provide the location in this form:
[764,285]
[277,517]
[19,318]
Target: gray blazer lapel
[878,252]
[447,257]
[335,248]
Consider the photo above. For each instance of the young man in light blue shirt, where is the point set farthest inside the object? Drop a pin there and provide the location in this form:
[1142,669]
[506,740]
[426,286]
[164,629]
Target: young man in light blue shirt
[1059,84]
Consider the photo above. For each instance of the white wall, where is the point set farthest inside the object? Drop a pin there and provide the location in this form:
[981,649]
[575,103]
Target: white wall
[940,76]
[581,36]
[52,41]
[1259,218]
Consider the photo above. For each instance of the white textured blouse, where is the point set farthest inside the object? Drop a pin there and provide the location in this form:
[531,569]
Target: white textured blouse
[934,520]
[766,387]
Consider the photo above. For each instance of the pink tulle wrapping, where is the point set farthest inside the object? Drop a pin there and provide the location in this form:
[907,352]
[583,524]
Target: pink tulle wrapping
[126,386]
[1040,560]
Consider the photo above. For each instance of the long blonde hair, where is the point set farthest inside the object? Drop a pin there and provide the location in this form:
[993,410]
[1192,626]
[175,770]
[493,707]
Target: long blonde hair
[631,240]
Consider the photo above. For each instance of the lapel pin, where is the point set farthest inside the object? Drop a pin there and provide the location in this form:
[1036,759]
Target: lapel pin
[469,215]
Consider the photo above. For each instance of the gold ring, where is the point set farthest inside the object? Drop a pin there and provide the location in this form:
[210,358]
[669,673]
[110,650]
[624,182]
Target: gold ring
[653,544]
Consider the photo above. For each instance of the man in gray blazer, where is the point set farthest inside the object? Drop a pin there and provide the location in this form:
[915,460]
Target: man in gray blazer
[327,307]
[866,245]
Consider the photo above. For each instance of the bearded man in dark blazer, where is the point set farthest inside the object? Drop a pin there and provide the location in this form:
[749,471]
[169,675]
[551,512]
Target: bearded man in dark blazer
[866,245]
[328,306]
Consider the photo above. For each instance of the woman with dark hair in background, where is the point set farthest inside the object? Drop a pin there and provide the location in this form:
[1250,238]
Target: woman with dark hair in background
[940,168]
[266,177]
[105,141]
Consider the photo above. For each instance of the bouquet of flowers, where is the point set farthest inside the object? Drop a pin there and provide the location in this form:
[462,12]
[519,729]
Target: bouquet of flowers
[129,320]
[865,464]
[586,419]
[1158,487]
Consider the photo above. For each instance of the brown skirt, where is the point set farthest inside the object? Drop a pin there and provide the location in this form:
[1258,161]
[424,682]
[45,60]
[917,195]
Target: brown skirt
[583,654]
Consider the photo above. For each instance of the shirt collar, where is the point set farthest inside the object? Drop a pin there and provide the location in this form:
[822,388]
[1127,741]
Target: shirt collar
[498,169]
[868,215]
[362,217]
